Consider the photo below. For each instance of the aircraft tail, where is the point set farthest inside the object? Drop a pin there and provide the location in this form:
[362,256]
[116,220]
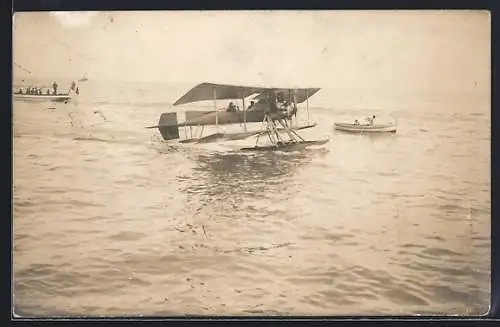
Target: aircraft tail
[168,126]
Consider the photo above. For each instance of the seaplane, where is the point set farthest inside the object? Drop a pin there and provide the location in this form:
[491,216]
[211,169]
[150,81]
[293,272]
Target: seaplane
[274,108]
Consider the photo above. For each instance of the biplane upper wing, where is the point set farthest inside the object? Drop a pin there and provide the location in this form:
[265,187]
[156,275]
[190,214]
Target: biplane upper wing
[211,91]
[300,94]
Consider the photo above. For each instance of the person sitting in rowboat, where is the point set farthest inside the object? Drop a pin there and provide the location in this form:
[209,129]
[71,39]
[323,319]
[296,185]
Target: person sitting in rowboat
[370,120]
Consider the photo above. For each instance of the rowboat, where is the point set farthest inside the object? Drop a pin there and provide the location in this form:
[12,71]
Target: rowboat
[358,128]
[42,97]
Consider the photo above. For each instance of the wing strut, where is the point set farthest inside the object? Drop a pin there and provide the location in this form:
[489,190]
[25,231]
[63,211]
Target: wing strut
[307,108]
[215,108]
[244,113]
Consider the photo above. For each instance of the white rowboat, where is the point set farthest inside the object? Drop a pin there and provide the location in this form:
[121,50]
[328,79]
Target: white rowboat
[375,128]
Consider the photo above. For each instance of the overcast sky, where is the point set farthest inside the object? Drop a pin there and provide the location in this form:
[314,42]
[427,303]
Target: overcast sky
[371,49]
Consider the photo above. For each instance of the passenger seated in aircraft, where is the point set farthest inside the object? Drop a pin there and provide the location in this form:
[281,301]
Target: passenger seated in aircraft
[252,103]
[280,97]
[272,106]
[231,107]
[356,122]
[285,106]
[48,92]
[259,105]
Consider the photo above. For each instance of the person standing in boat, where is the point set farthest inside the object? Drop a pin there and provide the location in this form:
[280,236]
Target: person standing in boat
[54,87]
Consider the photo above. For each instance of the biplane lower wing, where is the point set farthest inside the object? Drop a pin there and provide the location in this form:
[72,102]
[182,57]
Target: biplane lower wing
[168,124]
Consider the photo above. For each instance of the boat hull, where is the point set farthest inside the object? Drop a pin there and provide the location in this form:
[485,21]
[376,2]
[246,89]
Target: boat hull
[42,98]
[361,129]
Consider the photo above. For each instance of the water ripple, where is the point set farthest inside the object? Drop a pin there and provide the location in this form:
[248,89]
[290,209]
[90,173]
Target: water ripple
[111,220]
